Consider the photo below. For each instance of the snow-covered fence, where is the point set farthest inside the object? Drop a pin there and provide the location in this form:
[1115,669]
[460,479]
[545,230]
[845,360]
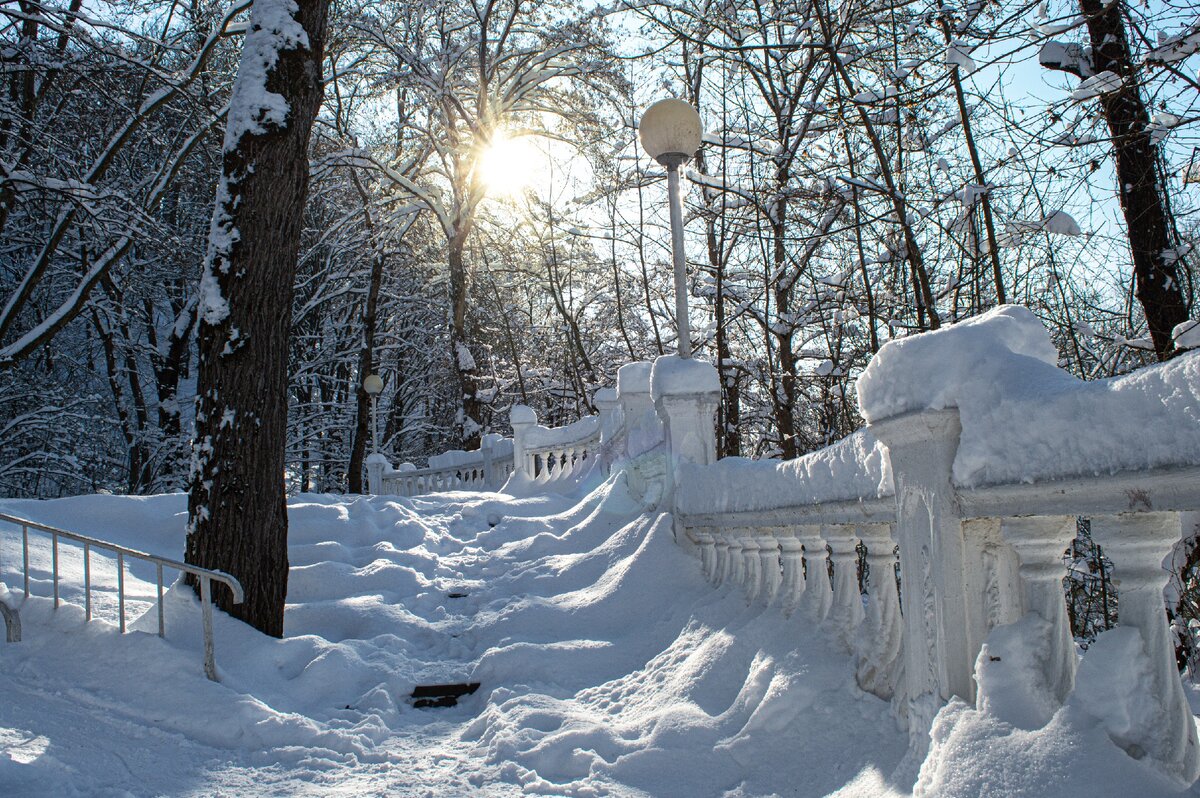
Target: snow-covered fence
[485,469]
[122,554]
[978,457]
[539,455]
[544,453]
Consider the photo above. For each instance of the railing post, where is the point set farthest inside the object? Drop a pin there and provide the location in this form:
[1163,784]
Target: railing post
[704,540]
[937,650]
[720,557]
[991,570]
[686,393]
[818,593]
[791,589]
[751,576]
[735,565]
[485,451]
[1039,543]
[846,611]
[12,621]
[643,431]
[768,565]
[522,419]
[375,465]
[609,407]
[1138,543]
[881,636]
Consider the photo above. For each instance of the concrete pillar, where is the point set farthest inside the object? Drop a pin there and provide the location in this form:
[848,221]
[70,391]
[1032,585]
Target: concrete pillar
[1138,543]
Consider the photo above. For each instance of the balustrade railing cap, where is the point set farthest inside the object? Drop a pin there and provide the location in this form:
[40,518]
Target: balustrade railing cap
[605,397]
[921,425]
[678,376]
[520,414]
[634,378]
[377,457]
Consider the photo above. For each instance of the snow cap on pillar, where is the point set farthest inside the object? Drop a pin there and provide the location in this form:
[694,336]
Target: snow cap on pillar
[605,397]
[675,376]
[520,414]
[634,378]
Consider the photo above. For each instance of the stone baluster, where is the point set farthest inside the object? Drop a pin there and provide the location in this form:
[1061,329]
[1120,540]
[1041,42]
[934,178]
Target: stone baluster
[846,610]
[1039,543]
[703,538]
[768,565]
[990,570]
[791,553]
[818,593]
[1138,543]
[720,557]
[881,635]
[751,576]
[735,570]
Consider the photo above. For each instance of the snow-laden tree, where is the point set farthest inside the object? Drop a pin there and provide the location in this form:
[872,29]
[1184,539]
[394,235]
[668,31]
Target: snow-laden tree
[237,514]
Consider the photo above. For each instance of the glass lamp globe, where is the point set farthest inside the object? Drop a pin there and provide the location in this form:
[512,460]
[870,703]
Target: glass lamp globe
[373,384]
[670,128]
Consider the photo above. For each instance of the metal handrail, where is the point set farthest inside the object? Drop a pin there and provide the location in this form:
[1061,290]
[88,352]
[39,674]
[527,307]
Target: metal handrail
[205,575]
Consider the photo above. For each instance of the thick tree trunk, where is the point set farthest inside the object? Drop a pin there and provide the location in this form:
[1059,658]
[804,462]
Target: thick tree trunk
[237,512]
[1139,183]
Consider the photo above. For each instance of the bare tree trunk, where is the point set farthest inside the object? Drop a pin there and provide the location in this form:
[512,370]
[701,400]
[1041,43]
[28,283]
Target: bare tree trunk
[470,425]
[1139,182]
[237,509]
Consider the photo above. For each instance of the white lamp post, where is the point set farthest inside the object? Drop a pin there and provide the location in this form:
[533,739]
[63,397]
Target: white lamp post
[670,132]
[373,385]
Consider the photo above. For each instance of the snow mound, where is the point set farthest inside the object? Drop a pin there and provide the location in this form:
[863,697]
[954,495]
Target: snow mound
[853,468]
[1023,418]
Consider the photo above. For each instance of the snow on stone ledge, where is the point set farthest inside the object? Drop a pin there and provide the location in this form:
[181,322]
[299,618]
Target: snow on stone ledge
[1023,418]
[673,375]
[574,432]
[854,468]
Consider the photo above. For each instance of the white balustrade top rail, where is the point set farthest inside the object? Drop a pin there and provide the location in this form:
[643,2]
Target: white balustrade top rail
[204,575]
[484,469]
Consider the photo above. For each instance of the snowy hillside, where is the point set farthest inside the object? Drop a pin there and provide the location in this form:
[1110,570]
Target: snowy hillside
[607,665]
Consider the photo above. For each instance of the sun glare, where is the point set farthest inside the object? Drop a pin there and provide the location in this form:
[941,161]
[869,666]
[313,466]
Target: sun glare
[510,164]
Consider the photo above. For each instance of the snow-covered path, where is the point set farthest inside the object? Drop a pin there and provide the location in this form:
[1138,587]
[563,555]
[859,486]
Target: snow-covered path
[608,667]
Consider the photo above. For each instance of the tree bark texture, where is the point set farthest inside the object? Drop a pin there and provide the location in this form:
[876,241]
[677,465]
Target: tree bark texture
[237,511]
[1139,182]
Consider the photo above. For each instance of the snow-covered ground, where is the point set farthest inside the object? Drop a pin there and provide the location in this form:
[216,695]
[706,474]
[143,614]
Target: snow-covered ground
[608,667]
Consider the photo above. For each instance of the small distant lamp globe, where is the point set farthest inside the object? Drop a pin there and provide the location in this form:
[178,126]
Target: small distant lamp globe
[373,385]
[670,131]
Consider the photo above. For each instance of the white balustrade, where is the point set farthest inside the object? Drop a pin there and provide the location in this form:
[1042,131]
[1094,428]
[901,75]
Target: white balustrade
[972,562]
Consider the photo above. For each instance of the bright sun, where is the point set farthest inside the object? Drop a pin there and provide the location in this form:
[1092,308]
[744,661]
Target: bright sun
[510,164]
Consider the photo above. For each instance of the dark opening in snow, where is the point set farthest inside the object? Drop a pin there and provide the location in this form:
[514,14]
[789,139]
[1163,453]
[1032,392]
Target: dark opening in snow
[441,695]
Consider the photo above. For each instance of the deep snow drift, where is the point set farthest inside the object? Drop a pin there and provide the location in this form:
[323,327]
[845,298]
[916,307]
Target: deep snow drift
[608,667]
